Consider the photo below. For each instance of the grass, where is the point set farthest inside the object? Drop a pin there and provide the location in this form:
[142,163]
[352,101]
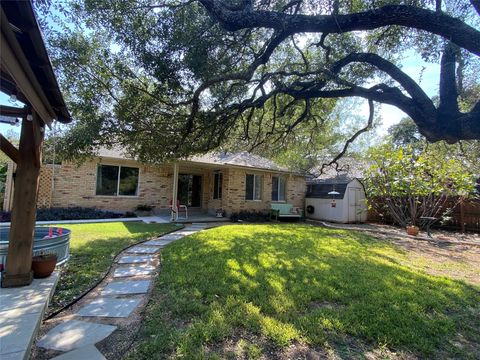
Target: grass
[92,249]
[274,286]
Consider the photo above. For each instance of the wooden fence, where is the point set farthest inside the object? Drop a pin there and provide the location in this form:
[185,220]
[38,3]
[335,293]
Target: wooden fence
[466,213]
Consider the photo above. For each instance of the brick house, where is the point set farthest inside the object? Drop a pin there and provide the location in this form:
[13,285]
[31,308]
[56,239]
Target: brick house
[232,182]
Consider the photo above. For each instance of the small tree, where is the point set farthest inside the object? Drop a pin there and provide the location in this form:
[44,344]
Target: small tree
[408,185]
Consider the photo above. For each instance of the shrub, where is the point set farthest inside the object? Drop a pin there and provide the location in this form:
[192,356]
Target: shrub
[408,184]
[75,213]
[250,216]
[144,207]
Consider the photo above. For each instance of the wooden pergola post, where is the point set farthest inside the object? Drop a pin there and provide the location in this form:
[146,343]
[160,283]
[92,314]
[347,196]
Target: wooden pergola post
[26,73]
[19,261]
[174,215]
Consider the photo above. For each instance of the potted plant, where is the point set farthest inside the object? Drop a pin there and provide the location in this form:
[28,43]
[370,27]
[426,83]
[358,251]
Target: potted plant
[412,230]
[43,264]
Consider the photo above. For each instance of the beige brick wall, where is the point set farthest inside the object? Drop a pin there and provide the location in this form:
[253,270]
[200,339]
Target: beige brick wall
[233,199]
[75,186]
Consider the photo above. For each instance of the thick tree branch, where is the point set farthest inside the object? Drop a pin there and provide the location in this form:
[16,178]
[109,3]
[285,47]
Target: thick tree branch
[413,89]
[431,21]
[448,83]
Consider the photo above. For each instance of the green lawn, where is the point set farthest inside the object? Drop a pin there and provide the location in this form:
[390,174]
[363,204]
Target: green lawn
[92,249]
[243,291]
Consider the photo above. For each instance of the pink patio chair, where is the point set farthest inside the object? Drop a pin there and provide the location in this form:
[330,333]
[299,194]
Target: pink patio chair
[180,208]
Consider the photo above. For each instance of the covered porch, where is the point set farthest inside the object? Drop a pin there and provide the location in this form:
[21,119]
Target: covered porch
[197,192]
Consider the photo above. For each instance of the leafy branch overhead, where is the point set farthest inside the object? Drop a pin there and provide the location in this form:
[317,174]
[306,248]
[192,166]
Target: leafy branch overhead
[168,78]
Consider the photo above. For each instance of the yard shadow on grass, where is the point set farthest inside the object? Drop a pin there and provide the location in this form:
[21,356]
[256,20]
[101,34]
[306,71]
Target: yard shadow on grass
[299,283]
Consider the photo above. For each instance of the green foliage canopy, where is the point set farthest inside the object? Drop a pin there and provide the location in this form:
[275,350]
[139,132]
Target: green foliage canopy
[166,79]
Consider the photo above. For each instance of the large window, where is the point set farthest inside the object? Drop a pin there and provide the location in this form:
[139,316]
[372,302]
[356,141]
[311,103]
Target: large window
[278,188]
[217,185]
[117,180]
[253,187]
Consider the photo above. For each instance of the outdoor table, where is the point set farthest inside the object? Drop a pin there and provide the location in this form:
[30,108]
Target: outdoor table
[429,220]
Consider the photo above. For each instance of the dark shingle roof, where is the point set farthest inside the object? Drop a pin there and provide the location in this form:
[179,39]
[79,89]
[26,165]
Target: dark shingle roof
[319,188]
[244,159]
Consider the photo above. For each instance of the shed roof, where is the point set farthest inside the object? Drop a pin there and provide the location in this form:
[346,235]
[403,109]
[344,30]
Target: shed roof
[320,188]
[19,22]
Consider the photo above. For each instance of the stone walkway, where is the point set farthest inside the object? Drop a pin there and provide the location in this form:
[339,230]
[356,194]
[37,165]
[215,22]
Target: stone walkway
[121,294]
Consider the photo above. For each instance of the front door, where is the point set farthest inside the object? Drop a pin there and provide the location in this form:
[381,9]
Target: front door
[190,190]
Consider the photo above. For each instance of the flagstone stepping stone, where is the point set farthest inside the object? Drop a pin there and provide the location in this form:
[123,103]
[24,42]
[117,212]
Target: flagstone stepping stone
[132,259]
[173,236]
[73,334]
[133,270]
[160,242]
[109,307]
[84,353]
[183,233]
[142,250]
[126,287]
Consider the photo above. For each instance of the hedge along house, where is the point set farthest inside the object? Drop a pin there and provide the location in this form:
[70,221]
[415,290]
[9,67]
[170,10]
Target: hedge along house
[206,183]
[26,75]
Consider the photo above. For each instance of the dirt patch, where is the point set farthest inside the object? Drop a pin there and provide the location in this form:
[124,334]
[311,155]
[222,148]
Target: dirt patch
[447,253]
[460,262]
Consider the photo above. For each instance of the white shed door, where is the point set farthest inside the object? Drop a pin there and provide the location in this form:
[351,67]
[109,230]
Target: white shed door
[354,206]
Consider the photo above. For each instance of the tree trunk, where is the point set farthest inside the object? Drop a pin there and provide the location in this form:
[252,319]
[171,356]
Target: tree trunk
[19,258]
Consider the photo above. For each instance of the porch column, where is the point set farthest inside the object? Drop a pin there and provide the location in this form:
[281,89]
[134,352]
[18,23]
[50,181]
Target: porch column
[175,191]
[19,256]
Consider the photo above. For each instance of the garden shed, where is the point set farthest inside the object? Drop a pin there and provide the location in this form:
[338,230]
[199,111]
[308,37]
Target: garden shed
[339,199]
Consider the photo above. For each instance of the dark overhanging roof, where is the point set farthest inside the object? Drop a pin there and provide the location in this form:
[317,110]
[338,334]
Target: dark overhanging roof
[22,21]
[320,188]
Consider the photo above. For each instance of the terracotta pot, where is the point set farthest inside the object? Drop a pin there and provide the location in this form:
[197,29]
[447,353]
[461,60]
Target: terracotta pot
[412,230]
[43,265]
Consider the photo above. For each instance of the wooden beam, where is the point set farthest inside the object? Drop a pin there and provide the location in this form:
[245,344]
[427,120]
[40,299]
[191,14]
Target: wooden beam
[9,149]
[20,245]
[12,111]
[14,62]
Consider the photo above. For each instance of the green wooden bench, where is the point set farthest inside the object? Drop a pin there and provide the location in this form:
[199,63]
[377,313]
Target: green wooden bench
[279,211]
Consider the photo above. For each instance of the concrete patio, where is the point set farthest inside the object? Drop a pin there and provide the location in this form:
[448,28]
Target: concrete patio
[159,219]
[21,312]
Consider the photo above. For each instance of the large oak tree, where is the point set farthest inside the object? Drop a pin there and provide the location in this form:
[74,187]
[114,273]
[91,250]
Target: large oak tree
[166,78]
